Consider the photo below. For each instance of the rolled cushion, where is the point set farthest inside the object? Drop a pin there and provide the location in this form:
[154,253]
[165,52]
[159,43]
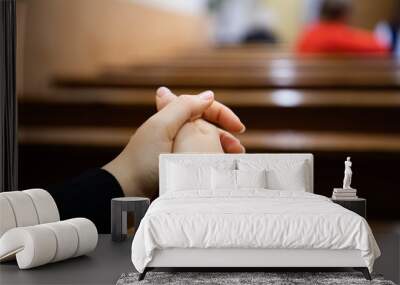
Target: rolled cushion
[87,235]
[66,238]
[26,208]
[37,245]
[23,208]
[7,218]
[45,205]
[33,246]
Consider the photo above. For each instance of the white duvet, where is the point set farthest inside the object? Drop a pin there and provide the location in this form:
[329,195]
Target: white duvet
[250,219]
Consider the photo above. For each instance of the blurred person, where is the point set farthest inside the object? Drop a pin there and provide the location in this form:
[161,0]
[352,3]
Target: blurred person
[332,34]
[258,34]
[186,123]
[261,25]
[388,32]
[238,21]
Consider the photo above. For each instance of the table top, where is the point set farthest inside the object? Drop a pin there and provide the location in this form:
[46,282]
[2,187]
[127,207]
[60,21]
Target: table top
[349,200]
[102,266]
[130,199]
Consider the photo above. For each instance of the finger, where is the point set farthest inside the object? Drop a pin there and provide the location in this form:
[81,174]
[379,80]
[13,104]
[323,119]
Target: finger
[230,143]
[164,97]
[217,113]
[224,117]
[184,108]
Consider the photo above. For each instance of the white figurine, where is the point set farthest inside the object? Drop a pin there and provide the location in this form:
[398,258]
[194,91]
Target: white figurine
[347,174]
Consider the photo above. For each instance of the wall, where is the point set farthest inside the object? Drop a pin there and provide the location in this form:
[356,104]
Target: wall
[84,35]
[289,18]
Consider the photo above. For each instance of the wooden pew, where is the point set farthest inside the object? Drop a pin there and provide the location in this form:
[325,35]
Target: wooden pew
[254,140]
[332,107]
[243,73]
[246,61]
[230,97]
[343,116]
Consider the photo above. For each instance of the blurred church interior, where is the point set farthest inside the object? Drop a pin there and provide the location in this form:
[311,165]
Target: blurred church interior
[87,71]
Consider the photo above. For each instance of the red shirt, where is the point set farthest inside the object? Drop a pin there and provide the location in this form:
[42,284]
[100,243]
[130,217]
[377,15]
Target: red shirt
[338,38]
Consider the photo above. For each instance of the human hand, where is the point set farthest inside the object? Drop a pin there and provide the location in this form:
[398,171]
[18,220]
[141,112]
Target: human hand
[136,167]
[198,136]
[201,136]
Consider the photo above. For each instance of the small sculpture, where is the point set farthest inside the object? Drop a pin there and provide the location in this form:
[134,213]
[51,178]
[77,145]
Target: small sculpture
[347,192]
[347,174]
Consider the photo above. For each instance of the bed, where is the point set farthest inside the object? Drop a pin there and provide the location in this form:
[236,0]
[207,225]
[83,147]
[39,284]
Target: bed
[247,211]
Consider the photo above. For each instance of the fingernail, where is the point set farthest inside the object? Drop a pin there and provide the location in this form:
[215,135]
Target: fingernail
[162,91]
[207,95]
[243,129]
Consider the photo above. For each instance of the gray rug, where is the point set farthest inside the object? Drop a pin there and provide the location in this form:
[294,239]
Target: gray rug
[229,278]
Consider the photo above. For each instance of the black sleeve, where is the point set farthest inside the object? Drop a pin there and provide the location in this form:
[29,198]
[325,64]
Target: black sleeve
[89,196]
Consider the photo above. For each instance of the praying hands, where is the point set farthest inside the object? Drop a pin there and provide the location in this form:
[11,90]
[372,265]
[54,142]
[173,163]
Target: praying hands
[186,123]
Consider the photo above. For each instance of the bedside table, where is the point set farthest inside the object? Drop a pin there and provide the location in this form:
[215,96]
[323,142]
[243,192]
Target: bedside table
[358,206]
[126,214]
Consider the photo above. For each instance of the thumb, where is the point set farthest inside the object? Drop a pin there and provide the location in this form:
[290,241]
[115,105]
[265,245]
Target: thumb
[182,109]
[164,97]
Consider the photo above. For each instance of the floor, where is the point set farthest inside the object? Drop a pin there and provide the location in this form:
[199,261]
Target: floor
[110,260]
[387,235]
[101,266]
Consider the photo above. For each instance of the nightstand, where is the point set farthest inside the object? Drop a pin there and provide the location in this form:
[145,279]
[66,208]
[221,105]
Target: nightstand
[126,214]
[358,206]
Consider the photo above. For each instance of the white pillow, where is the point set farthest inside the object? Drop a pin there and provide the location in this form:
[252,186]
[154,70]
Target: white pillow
[282,174]
[251,178]
[199,161]
[181,177]
[223,179]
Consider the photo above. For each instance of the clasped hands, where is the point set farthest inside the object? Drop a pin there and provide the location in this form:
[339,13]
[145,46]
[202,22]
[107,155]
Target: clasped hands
[186,123]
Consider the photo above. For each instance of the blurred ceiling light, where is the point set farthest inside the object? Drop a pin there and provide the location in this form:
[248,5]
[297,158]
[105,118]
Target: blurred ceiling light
[286,98]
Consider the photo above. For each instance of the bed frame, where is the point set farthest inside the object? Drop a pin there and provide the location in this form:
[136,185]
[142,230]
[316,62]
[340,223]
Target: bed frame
[248,259]
[259,259]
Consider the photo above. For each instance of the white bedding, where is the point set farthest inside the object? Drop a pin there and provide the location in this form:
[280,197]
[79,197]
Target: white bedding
[250,218]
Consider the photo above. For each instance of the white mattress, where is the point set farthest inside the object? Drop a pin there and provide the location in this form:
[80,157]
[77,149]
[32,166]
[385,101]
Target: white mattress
[259,219]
